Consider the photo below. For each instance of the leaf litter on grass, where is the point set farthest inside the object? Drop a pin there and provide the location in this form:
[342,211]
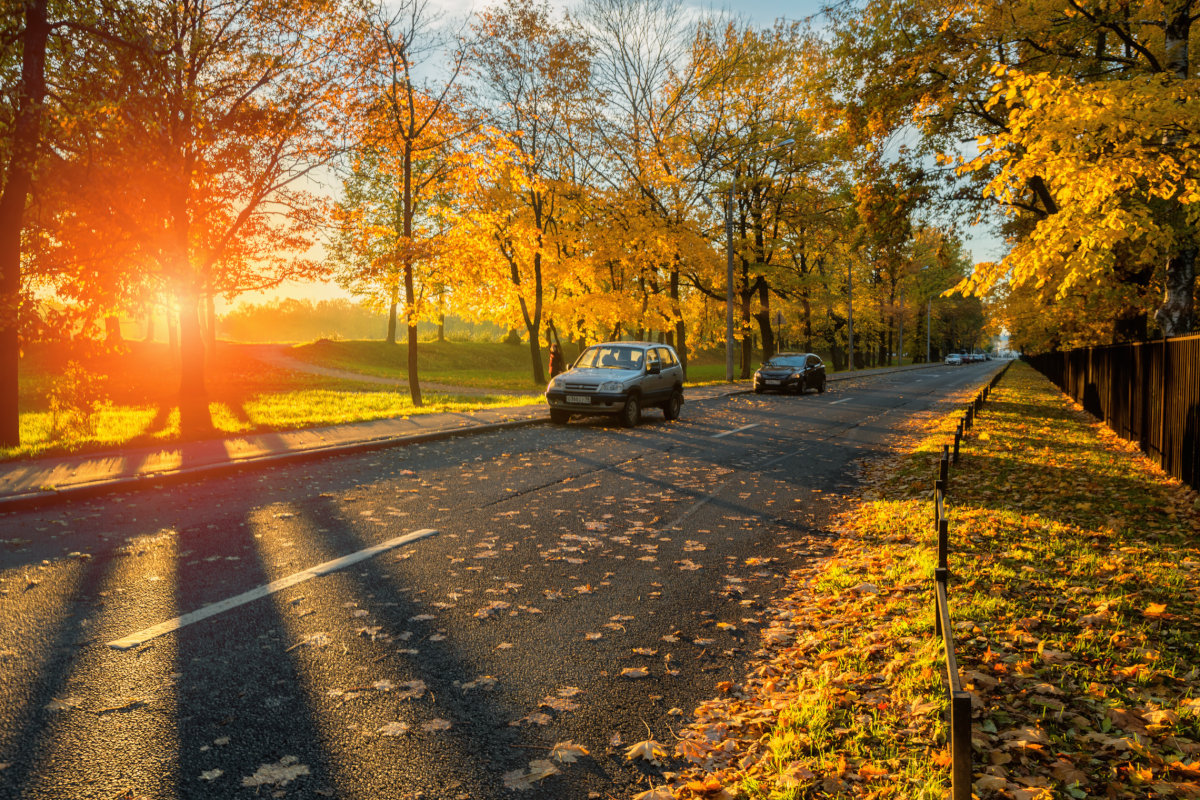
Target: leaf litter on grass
[1074,563]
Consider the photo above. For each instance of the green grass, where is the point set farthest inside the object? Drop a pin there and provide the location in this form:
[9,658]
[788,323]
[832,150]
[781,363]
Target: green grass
[1074,613]
[137,391]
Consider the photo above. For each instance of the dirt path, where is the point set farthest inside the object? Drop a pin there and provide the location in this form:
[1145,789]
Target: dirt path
[274,355]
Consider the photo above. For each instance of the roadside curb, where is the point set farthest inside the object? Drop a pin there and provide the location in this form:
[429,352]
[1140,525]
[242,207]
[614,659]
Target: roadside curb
[45,497]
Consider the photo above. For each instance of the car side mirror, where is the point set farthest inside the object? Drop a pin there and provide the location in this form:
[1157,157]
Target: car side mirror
[654,369]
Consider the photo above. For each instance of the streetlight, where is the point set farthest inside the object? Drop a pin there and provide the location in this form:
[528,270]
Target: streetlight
[729,259]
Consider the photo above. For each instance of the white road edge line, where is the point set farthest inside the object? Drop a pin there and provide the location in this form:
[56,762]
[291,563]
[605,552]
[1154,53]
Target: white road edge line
[847,400]
[143,636]
[735,430]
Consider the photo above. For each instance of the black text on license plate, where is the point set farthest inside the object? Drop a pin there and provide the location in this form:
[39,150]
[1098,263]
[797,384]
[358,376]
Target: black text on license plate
[580,399]
[772,383]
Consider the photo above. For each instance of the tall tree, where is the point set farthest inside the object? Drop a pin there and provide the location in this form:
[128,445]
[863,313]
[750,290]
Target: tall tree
[228,107]
[399,167]
[532,72]
[26,29]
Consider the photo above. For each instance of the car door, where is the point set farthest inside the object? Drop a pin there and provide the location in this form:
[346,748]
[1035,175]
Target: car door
[672,370]
[652,386]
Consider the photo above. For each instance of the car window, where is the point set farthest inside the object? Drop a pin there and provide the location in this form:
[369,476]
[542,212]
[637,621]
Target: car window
[652,357]
[668,357]
[814,361]
[611,357]
[786,361]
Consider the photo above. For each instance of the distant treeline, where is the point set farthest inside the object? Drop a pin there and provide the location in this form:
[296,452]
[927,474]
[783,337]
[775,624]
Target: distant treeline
[291,320]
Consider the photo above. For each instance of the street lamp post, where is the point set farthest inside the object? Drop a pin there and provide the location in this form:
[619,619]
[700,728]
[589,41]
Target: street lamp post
[850,314]
[928,316]
[729,281]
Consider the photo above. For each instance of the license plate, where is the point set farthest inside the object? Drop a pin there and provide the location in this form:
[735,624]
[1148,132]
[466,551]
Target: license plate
[772,383]
[580,399]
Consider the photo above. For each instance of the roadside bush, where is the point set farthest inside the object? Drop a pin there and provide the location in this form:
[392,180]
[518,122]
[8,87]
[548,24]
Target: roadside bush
[74,400]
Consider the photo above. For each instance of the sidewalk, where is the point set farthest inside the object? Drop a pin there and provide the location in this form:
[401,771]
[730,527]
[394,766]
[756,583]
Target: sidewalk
[38,481]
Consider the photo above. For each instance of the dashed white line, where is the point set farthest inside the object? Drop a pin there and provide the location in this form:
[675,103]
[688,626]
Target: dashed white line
[735,430]
[145,635]
[847,400]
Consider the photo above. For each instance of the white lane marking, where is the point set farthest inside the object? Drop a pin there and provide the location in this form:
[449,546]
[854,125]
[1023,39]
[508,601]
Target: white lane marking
[847,400]
[735,430]
[145,635]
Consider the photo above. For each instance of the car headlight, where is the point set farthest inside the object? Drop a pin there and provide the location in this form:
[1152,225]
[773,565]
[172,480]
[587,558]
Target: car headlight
[557,384]
[795,375]
[611,386]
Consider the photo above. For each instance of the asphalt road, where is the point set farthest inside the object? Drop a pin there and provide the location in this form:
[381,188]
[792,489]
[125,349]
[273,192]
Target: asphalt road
[586,583]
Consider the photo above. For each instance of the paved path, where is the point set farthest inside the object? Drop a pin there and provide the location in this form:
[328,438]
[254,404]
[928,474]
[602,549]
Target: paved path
[41,480]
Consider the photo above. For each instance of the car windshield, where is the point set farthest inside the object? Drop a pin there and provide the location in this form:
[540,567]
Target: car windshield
[611,357]
[785,361]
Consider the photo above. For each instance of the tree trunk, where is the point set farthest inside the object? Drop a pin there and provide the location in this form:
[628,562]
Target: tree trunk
[763,317]
[18,180]
[1175,317]
[210,324]
[112,331]
[194,417]
[149,327]
[410,288]
[172,332]
[391,326]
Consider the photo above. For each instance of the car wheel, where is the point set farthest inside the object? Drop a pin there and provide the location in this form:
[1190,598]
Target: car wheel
[801,387]
[821,386]
[559,417]
[632,413]
[673,406]
[758,390]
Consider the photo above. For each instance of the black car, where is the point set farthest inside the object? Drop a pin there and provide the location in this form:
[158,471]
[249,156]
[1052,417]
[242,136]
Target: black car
[791,372]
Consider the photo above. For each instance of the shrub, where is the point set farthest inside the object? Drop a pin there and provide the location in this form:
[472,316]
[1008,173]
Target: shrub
[75,398]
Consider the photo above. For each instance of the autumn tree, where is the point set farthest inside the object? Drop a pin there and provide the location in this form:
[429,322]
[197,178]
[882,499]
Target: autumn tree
[24,33]
[386,233]
[226,109]
[531,72]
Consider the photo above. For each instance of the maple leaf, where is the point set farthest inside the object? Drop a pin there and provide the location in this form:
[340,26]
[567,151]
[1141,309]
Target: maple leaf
[647,750]
[411,690]
[211,775]
[568,752]
[634,672]
[436,724]
[393,729]
[657,793]
[280,773]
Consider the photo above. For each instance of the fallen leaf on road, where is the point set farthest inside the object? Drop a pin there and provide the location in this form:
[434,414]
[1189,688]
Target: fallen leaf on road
[211,775]
[647,750]
[436,725]
[394,729]
[657,793]
[281,773]
[634,672]
[568,752]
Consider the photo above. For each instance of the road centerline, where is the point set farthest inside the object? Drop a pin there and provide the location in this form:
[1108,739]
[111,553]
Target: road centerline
[735,430]
[846,400]
[211,610]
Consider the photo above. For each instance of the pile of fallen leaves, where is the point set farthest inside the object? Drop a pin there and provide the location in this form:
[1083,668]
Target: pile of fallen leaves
[1074,564]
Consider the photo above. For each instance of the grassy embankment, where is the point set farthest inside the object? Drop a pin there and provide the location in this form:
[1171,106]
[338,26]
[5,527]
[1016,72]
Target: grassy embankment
[1074,563]
[138,389]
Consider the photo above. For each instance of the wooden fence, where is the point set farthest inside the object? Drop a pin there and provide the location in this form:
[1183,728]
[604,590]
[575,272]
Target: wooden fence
[1147,392]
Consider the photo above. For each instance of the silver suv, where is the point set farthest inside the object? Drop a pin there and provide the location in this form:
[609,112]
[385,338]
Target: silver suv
[619,378]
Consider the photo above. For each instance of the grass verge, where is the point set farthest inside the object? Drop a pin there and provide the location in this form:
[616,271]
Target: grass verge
[138,393]
[1075,564]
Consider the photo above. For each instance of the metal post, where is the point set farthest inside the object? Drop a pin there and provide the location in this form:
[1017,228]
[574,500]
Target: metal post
[943,531]
[729,282]
[945,466]
[957,438]
[960,745]
[850,312]
[900,336]
[928,314]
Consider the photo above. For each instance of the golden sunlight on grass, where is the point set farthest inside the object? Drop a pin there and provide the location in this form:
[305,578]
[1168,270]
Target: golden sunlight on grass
[1074,563]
